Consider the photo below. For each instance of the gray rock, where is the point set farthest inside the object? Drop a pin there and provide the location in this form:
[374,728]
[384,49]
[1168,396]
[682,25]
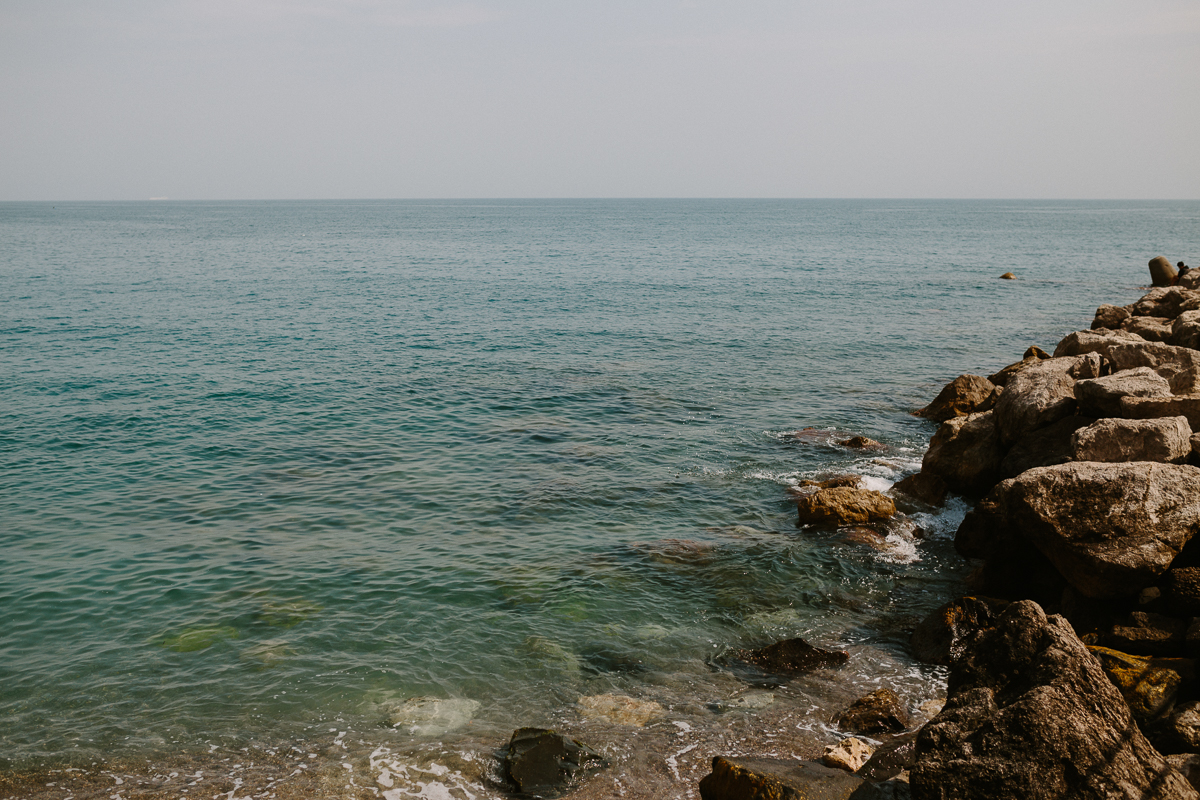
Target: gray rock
[1043,447]
[1101,397]
[1179,365]
[1030,714]
[1152,329]
[1109,529]
[1110,316]
[1097,341]
[1036,397]
[1167,440]
[1187,405]
[966,394]
[1162,273]
[965,453]
[779,779]
[891,758]
[1167,302]
[1089,365]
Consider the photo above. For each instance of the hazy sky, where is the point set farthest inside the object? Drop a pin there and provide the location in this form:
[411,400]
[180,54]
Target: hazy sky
[131,99]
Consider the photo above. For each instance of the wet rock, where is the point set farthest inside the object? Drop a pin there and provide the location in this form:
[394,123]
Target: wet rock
[1101,397]
[849,754]
[1167,440]
[1044,447]
[749,701]
[891,758]
[868,537]
[1152,329]
[1147,634]
[1110,316]
[861,443]
[965,453]
[1030,714]
[1148,687]
[925,487]
[778,779]
[1109,529]
[966,394]
[792,657]
[940,637]
[806,487]
[1182,585]
[543,763]
[1097,341]
[1036,397]
[620,710]
[881,711]
[1162,273]
[430,716]
[843,506]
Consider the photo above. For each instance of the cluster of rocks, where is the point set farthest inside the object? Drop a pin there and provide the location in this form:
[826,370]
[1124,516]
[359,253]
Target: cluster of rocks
[1072,669]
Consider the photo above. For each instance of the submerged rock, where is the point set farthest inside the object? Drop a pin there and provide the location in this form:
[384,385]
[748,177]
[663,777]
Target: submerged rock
[543,763]
[430,716]
[881,711]
[792,657]
[620,710]
[1030,714]
[749,701]
[200,638]
[966,394]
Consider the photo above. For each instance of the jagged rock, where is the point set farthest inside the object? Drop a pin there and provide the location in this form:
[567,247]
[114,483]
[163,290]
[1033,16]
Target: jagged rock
[939,638]
[1182,594]
[1187,764]
[779,779]
[1152,329]
[792,657]
[806,487]
[965,453]
[924,486]
[1110,316]
[844,505]
[1184,726]
[1034,351]
[619,709]
[1101,397]
[1167,439]
[1036,397]
[966,394]
[881,711]
[1167,302]
[1189,279]
[1109,529]
[849,754]
[1185,330]
[542,763]
[1043,447]
[1148,687]
[1089,365]
[891,758]
[861,443]
[1146,634]
[1162,273]
[1156,407]
[1179,365]
[1097,341]
[1031,715]
[1002,377]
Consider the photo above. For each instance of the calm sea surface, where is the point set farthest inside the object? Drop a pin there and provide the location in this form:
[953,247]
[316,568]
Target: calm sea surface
[268,470]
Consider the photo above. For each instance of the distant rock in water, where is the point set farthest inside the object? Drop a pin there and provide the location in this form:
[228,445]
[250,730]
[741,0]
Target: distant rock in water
[1008,276]
[1162,272]
[861,443]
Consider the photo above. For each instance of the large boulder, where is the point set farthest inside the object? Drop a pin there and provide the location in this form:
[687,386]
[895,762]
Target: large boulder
[1179,365]
[965,453]
[1036,397]
[1185,330]
[1030,714]
[1187,405]
[940,637]
[1152,329]
[1101,397]
[1043,447]
[1162,273]
[966,394]
[1097,341]
[1167,439]
[1167,302]
[1109,316]
[843,505]
[1109,529]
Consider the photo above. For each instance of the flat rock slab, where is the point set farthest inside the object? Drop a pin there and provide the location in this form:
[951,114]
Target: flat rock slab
[1166,440]
[779,779]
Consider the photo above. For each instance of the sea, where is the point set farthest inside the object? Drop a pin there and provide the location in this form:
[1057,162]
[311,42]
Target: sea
[328,498]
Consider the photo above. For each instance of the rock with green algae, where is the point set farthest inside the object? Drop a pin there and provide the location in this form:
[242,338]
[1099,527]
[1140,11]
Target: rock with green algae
[1149,685]
[287,613]
[200,638]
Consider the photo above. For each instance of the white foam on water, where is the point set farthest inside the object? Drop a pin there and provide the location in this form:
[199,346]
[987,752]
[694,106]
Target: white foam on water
[433,781]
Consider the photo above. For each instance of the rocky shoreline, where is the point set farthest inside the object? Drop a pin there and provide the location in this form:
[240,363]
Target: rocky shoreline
[1073,659]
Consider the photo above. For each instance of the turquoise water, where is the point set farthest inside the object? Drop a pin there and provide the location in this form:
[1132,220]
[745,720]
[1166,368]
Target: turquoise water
[270,464]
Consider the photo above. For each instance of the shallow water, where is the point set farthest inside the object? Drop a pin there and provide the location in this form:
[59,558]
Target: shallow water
[274,468]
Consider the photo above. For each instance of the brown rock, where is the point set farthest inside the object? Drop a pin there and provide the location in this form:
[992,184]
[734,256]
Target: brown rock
[1167,440]
[1030,714]
[924,486]
[1179,365]
[1034,351]
[940,636]
[1185,330]
[843,506]
[792,657]
[1148,687]
[1162,273]
[1036,397]
[1184,726]
[1101,397]
[850,754]
[1043,447]
[1167,302]
[861,443]
[881,711]
[778,779]
[966,394]
[1182,593]
[1156,407]
[1110,316]
[1145,634]
[965,453]
[1002,377]
[1109,529]
[1097,341]
[1008,276]
[1152,329]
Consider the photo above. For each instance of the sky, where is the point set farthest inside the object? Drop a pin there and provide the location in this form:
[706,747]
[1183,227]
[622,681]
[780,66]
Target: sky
[307,99]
